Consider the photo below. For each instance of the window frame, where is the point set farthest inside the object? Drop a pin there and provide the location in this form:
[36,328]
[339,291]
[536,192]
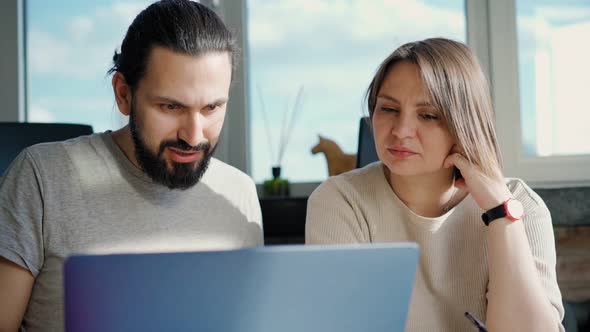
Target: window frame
[13,61]
[491,33]
[536,171]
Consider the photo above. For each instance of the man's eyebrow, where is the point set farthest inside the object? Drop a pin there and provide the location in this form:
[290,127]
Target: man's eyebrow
[169,100]
[219,102]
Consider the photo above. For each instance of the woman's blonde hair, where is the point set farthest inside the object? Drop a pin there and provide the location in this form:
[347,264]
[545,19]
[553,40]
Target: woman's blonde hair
[457,87]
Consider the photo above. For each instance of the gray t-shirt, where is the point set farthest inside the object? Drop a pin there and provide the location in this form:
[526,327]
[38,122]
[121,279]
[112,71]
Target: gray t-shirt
[84,196]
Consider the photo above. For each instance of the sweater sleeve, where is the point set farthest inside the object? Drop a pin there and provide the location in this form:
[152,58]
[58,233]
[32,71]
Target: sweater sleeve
[331,217]
[539,231]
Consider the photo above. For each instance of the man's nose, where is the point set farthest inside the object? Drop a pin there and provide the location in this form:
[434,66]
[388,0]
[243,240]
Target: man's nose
[191,129]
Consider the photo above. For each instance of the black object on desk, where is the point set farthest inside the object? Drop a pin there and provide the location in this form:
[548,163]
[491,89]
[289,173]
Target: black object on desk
[283,219]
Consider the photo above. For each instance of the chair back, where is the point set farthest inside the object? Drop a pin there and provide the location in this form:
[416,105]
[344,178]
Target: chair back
[366,152]
[16,136]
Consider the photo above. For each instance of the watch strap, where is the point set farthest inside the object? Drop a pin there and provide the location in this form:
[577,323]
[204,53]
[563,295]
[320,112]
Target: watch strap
[493,214]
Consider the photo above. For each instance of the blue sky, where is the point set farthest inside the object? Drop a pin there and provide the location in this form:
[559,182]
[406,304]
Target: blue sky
[70,47]
[332,48]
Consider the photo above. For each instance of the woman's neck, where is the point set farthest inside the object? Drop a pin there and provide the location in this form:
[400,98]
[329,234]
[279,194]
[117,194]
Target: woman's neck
[428,195]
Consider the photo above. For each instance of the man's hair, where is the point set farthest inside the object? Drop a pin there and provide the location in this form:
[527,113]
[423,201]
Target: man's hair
[458,88]
[183,26]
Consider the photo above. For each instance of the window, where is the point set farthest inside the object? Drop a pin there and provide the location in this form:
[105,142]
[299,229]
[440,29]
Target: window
[554,76]
[331,49]
[538,72]
[70,45]
[538,77]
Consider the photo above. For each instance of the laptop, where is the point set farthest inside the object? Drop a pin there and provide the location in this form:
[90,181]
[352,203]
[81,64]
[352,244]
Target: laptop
[363,287]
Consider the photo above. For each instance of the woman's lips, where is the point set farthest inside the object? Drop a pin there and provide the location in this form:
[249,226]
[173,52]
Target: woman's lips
[400,152]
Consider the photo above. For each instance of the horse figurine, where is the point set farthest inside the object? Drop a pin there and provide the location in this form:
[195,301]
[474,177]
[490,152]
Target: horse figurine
[338,161]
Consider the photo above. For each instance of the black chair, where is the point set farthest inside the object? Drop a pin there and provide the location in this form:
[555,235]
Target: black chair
[15,136]
[366,152]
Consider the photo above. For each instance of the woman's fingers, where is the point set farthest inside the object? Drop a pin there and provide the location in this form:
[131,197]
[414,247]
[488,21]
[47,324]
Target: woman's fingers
[457,160]
[460,183]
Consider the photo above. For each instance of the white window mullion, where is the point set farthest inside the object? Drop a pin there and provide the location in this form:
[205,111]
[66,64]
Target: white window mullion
[477,16]
[504,79]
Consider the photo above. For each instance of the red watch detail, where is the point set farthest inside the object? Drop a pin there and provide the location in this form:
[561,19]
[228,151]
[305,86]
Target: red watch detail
[511,209]
[514,209]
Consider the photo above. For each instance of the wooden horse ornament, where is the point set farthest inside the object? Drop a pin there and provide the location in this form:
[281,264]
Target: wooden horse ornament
[338,161]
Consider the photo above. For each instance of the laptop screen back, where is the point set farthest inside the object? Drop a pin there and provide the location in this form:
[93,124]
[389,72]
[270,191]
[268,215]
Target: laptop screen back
[266,289]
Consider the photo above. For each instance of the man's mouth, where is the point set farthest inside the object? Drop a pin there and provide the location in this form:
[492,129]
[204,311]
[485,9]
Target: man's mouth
[184,156]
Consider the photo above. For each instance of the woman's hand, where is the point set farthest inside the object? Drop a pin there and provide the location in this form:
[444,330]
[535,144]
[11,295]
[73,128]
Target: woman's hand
[487,191]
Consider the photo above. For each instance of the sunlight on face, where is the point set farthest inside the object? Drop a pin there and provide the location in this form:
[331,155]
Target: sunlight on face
[177,114]
[411,137]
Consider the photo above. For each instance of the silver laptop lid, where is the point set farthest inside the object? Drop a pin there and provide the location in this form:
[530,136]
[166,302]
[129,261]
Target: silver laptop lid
[265,289]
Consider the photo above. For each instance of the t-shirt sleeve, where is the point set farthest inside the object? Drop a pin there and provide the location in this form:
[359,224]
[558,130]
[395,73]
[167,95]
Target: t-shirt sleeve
[21,214]
[254,211]
[539,230]
[331,218]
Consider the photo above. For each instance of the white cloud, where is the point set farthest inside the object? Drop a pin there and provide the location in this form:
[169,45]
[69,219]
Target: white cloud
[120,14]
[316,78]
[563,13]
[46,52]
[410,19]
[321,22]
[535,28]
[265,33]
[81,28]
[128,11]
[50,55]
[101,113]
[84,105]
[40,114]
[85,51]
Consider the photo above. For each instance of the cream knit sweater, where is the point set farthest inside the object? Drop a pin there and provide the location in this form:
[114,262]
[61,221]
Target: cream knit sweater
[452,276]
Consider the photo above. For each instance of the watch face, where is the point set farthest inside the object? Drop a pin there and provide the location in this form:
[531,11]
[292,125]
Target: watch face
[514,209]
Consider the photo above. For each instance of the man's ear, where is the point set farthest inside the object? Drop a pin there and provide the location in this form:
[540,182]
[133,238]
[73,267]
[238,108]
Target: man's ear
[122,93]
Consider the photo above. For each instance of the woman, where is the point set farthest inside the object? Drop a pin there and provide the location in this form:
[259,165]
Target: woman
[438,176]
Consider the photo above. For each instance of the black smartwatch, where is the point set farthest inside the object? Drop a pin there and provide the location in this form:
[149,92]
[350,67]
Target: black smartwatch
[511,209]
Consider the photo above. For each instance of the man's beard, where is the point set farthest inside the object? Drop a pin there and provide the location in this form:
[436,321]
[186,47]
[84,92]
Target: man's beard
[182,175]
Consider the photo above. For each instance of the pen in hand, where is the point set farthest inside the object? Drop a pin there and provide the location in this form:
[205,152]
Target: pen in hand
[480,326]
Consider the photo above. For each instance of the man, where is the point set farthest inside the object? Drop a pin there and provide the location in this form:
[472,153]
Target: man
[150,186]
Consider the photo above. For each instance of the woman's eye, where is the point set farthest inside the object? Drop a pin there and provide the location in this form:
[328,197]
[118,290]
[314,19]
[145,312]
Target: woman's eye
[389,109]
[430,117]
